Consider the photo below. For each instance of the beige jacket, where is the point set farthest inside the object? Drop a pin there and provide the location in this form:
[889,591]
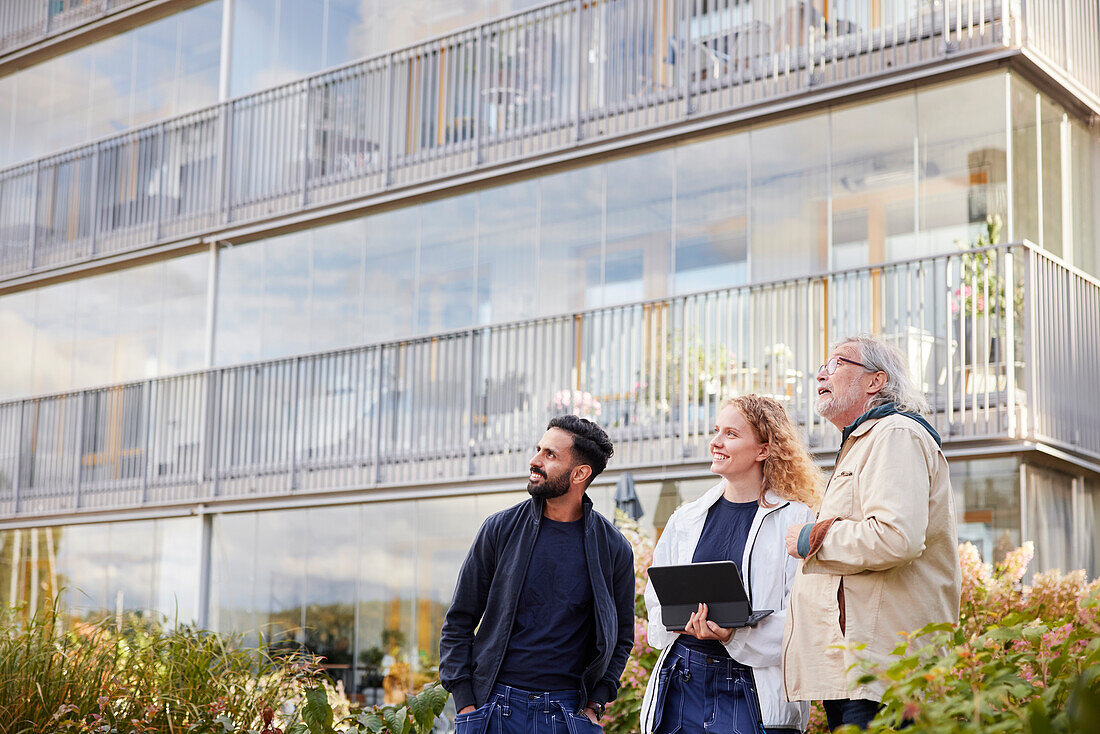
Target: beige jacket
[894,550]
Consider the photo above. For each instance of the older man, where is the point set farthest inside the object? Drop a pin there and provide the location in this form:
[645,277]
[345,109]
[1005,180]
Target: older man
[882,558]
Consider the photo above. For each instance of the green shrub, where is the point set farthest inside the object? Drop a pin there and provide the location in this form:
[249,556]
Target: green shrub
[130,675]
[1022,658]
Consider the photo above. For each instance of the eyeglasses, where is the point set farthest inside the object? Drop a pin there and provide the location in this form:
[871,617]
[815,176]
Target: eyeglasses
[834,362]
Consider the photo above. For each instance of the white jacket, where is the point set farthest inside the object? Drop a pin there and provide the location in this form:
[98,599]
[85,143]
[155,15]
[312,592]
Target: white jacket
[768,572]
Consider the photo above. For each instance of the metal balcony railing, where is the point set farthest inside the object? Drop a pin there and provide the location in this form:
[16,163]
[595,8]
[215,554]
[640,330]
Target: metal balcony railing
[24,22]
[1005,341]
[524,85]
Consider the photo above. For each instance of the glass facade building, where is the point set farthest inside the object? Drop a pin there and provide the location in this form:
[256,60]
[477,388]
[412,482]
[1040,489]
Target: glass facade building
[241,421]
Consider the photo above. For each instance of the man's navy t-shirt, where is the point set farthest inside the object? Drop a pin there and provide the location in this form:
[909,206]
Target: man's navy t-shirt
[725,533]
[554,635]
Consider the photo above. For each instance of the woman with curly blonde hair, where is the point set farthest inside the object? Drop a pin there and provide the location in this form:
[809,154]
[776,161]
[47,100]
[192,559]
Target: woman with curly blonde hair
[709,678]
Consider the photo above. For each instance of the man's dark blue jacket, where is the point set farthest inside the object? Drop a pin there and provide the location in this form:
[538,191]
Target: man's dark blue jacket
[488,590]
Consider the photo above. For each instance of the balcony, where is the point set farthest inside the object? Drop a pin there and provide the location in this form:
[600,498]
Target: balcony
[540,82]
[27,22]
[1003,341]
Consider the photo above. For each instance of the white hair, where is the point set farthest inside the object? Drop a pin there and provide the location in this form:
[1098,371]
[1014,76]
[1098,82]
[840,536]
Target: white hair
[881,356]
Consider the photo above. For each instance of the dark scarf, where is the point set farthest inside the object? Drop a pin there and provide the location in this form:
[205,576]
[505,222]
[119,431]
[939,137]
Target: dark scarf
[882,411]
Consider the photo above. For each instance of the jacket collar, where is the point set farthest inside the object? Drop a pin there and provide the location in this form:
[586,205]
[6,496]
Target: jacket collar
[703,505]
[862,424]
[536,505]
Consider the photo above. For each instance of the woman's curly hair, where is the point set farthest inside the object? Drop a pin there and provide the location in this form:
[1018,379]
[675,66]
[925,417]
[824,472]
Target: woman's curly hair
[789,471]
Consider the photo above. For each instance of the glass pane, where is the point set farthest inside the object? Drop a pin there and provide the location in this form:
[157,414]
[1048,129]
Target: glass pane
[140,304]
[1050,518]
[112,62]
[155,54]
[30,125]
[789,221]
[7,112]
[70,84]
[199,49]
[1051,116]
[1025,164]
[331,572]
[275,42]
[639,228]
[1085,163]
[129,564]
[29,572]
[233,579]
[387,589]
[285,318]
[872,182]
[570,236]
[987,499]
[963,161]
[507,252]
[445,294]
[712,214]
[389,274]
[279,581]
[183,321]
[16,359]
[240,304]
[157,70]
[1089,527]
[447,528]
[83,555]
[336,292]
[54,328]
[176,569]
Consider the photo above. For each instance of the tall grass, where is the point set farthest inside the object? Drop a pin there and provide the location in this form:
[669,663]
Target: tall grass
[132,675]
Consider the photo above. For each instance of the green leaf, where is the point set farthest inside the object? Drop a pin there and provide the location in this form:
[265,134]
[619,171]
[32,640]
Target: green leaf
[437,698]
[316,713]
[372,721]
[421,711]
[1038,719]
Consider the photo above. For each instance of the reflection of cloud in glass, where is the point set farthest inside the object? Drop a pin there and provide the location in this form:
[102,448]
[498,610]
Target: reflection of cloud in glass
[99,90]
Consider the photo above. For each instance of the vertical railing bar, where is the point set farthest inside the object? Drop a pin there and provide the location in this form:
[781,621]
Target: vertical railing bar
[379,407]
[162,173]
[17,482]
[79,444]
[225,182]
[579,57]
[307,143]
[148,412]
[295,410]
[387,127]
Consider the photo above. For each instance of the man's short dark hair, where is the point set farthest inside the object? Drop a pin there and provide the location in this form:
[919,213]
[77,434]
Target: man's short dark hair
[591,445]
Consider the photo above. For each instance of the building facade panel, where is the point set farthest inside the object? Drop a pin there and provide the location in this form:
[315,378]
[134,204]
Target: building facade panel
[627,72]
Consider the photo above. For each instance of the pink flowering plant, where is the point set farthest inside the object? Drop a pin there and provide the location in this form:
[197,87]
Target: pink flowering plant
[1022,658]
[982,288]
[578,402]
[622,714]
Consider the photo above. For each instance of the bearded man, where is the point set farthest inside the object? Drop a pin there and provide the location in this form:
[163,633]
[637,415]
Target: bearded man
[542,620]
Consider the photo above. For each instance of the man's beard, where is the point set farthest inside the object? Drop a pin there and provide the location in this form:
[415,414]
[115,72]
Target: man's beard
[832,405]
[548,488]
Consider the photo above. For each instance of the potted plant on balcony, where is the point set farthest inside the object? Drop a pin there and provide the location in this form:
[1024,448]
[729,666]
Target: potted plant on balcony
[980,298]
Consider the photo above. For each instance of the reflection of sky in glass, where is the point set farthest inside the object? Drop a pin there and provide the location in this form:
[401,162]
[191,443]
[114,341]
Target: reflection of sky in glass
[507,246]
[788,198]
[446,282]
[947,146]
[872,181]
[144,321]
[161,69]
